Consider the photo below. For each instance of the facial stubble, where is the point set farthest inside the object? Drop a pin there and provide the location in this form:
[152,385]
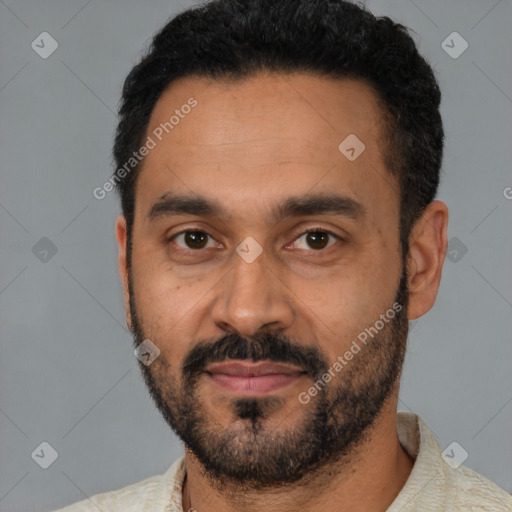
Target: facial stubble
[250,455]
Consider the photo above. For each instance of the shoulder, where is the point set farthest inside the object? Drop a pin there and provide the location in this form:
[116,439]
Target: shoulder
[148,495]
[120,499]
[471,491]
[438,481]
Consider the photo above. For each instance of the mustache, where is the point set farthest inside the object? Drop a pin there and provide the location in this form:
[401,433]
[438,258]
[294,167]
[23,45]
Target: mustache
[275,348]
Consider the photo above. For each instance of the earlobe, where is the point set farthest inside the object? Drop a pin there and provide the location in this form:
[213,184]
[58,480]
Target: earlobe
[121,245]
[128,320]
[427,250]
[121,236]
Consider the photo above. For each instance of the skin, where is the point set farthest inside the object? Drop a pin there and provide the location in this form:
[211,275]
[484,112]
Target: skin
[249,145]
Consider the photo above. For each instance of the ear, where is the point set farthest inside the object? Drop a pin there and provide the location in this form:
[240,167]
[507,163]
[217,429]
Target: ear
[427,249]
[123,269]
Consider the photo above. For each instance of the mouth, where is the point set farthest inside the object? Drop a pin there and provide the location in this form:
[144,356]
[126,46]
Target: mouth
[247,378]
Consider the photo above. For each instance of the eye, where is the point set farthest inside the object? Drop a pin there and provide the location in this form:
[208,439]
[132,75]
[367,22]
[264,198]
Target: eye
[316,239]
[193,240]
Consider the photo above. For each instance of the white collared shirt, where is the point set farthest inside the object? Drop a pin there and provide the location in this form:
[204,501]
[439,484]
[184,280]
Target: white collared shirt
[433,485]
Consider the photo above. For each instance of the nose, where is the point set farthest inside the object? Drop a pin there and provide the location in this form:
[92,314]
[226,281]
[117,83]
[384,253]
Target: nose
[252,298]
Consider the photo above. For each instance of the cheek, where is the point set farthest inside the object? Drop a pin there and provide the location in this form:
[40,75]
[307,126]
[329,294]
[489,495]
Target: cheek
[161,303]
[348,313]
[351,299]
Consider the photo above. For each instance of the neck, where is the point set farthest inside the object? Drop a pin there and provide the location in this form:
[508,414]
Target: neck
[369,478]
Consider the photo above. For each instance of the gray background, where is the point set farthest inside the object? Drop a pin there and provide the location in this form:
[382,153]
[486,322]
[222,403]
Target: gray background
[68,374]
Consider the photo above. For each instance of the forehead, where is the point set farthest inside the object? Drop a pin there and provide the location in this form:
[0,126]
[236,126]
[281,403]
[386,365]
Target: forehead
[266,136]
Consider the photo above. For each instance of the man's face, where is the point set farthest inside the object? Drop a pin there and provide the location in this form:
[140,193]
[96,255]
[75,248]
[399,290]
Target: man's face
[249,147]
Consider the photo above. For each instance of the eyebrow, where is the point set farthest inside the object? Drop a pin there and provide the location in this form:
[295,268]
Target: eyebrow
[295,206]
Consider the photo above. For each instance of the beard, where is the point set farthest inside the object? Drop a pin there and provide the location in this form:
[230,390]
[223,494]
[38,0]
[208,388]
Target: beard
[248,454]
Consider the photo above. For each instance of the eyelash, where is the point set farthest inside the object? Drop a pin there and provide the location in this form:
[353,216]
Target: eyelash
[320,230]
[310,230]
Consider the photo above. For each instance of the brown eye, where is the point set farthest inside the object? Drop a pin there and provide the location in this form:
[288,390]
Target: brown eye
[191,239]
[315,239]
[196,239]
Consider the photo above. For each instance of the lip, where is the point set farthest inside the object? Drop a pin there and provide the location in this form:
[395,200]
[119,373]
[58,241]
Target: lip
[249,378]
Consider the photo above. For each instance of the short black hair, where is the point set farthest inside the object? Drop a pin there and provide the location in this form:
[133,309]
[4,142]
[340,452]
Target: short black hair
[235,39]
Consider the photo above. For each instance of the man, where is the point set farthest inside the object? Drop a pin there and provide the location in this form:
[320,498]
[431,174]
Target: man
[277,164]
